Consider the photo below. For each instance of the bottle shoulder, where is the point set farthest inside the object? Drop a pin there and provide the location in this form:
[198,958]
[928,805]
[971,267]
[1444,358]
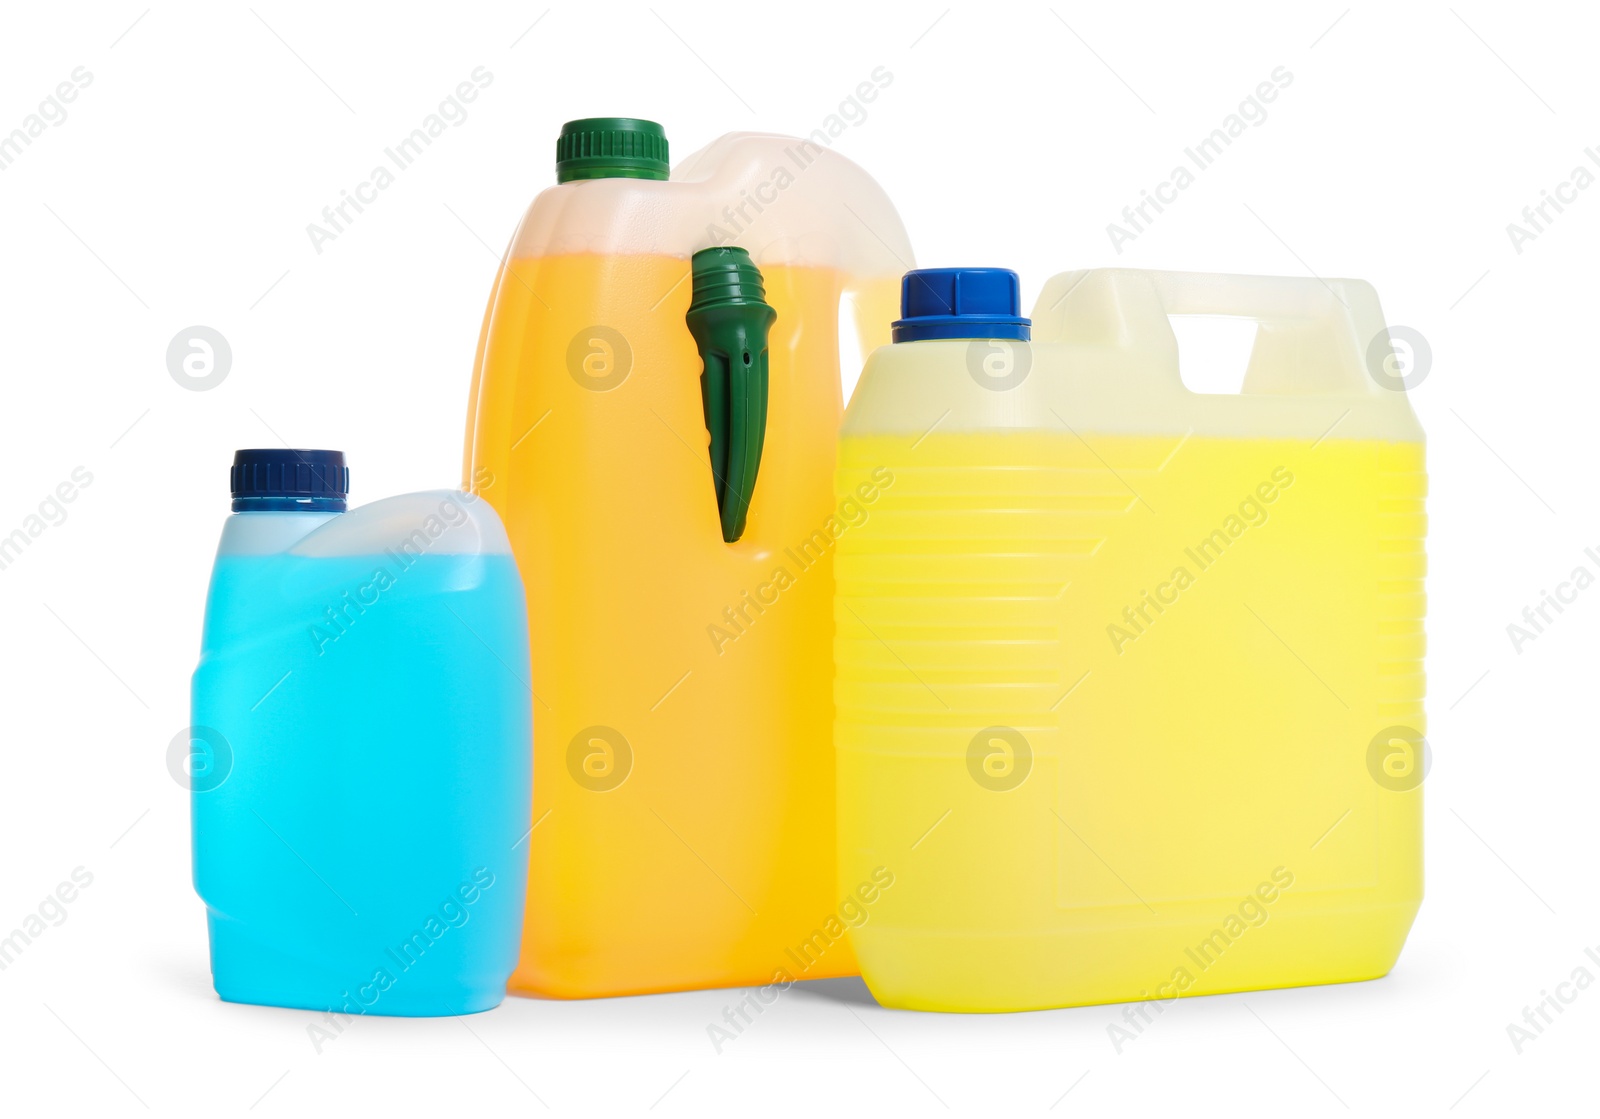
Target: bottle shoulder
[443,522]
[725,193]
[265,534]
[992,385]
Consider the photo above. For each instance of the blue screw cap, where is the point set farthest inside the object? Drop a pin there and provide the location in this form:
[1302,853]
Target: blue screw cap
[276,479]
[961,303]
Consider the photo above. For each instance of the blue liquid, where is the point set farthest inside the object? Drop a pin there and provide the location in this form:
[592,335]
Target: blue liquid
[365,851]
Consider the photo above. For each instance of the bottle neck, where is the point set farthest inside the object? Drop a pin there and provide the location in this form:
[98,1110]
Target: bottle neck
[289,505]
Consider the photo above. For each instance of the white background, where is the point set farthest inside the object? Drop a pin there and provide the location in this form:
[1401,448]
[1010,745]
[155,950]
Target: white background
[177,192]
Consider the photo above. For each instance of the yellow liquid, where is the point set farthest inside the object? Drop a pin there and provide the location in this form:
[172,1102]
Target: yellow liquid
[1089,795]
[683,777]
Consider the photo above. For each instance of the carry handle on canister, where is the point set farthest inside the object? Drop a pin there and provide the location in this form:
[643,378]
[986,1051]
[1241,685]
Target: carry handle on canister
[1315,336]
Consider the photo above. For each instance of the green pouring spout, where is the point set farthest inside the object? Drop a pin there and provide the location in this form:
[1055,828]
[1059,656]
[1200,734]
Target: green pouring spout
[729,318]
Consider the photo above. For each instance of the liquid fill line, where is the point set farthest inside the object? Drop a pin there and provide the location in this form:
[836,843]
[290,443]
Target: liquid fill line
[512,268]
[1174,452]
[1329,432]
[669,291]
[511,265]
[931,426]
[1102,461]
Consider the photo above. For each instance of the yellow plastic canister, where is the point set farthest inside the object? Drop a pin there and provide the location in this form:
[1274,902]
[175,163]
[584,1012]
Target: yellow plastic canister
[1130,681]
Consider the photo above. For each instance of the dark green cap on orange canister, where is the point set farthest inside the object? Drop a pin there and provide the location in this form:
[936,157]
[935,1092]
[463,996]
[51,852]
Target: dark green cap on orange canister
[611,148]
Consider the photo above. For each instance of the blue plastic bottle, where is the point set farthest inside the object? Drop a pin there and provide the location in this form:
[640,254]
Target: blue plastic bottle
[360,777]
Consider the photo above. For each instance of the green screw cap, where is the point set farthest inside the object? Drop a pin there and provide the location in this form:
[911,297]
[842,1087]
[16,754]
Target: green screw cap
[611,148]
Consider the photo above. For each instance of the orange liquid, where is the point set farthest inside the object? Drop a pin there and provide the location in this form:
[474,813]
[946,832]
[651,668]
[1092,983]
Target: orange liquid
[683,767]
